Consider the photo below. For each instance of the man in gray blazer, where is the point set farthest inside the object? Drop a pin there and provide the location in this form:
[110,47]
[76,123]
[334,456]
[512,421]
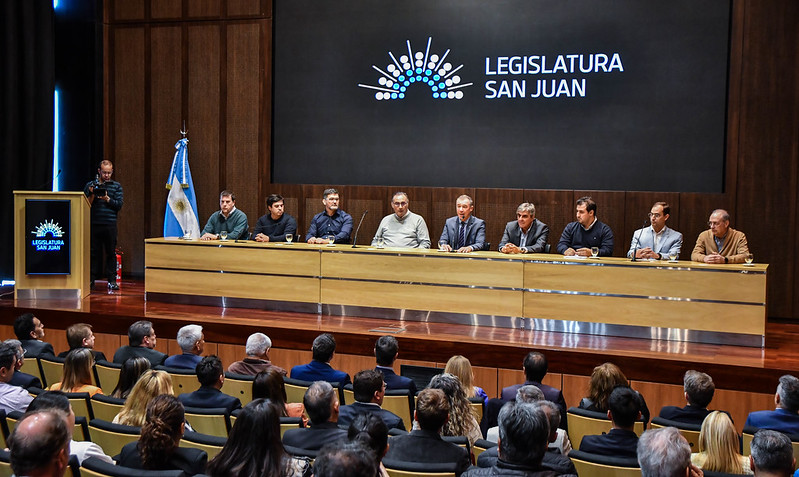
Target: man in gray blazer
[526,234]
[657,240]
[464,232]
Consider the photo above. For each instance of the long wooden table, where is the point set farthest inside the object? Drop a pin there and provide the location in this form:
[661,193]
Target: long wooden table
[685,301]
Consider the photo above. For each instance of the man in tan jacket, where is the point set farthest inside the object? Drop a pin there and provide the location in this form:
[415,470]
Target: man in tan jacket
[720,243]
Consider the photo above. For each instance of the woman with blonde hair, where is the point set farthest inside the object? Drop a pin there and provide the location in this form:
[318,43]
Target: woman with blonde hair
[604,379]
[718,446]
[462,419]
[77,376]
[151,384]
[460,367]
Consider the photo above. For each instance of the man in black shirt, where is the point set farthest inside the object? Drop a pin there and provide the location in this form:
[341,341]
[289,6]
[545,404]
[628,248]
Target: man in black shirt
[105,199]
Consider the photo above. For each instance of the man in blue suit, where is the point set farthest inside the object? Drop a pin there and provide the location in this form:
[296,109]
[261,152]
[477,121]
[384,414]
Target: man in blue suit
[621,440]
[656,241]
[786,417]
[526,234]
[192,342]
[211,376]
[319,369]
[386,352]
[535,368]
[464,232]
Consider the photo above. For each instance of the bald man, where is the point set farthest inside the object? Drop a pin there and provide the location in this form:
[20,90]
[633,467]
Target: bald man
[720,243]
[39,444]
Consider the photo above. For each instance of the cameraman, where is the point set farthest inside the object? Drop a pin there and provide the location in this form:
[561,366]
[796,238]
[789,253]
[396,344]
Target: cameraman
[105,198]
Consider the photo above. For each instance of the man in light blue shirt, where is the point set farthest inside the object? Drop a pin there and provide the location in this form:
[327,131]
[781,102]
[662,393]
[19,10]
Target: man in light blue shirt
[656,241]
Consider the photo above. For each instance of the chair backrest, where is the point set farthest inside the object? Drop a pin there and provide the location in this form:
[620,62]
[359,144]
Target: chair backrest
[94,467]
[81,404]
[183,381]
[349,395]
[401,403]
[710,473]
[106,407]
[106,375]
[480,446]
[3,429]
[5,463]
[588,423]
[592,465]
[240,386]
[31,367]
[112,437]
[478,406]
[689,431]
[398,468]
[749,434]
[52,369]
[295,389]
[81,430]
[211,421]
[461,441]
[212,445]
[287,423]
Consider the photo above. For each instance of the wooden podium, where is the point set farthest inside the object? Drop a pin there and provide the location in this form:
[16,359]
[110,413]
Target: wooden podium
[71,280]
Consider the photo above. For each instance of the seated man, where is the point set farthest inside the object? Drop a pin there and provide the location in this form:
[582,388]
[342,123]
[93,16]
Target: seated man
[699,390]
[30,331]
[342,457]
[664,452]
[12,398]
[322,405]
[211,376]
[228,219]
[720,243]
[369,390]
[786,417]
[526,234]
[257,360]
[319,369]
[23,380]
[403,228]
[80,335]
[586,232]
[192,342]
[425,444]
[275,224]
[333,222]
[621,441]
[464,232]
[141,337]
[39,444]
[535,368]
[386,352]
[772,454]
[657,241]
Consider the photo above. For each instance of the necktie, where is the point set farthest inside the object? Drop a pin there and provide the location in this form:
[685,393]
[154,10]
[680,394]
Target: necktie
[462,236]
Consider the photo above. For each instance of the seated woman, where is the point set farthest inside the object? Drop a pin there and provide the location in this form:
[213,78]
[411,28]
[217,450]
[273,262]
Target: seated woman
[604,379]
[254,449]
[372,432]
[718,446]
[77,376]
[131,370]
[460,367]
[269,384]
[151,384]
[462,419]
[157,448]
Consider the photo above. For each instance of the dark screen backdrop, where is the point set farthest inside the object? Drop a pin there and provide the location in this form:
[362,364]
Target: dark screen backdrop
[653,118]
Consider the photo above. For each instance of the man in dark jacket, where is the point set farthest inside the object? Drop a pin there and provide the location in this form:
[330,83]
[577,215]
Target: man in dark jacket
[211,376]
[322,405]
[105,199]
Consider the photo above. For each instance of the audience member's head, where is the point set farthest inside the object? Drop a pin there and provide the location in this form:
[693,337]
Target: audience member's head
[370,430]
[368,386]
[699,388]
[718,439]
[80,335]
[141,333]
[77,370]
[553,415]
[50,400]
[604,379]
[529,393]
[772,454]
[460,367]
[131,370]
[461,415]
[663,452]
[269,384]
[161,431]
[535,366]
[341,457]
[20,351]
[209,371]
[258,423]
[8,362]
[191,339]
[152,383]
[432,409]
[624,407]
[28,327]
[258,345]
[523,433]
[788,393]
[323,348]
[386,350]
[39,444]
[321,402]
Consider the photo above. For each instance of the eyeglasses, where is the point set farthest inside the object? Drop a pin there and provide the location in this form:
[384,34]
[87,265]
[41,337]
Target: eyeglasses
[714,224]
[657,216]
[400,204]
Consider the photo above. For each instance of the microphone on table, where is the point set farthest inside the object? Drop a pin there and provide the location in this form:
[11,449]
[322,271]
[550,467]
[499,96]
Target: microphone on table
[355,239]
[638,241]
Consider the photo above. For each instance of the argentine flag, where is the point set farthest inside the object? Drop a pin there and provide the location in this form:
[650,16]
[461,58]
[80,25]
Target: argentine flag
[181,207]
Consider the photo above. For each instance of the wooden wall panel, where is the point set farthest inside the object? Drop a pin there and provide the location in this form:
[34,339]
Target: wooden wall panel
[442,208]
[739,404]
[638,206]
[697,209]
[126,9]
[574,389]
[204,8]
[554,208]
[357,200]
[166,9]
[610,209]
[249,8]
[658,395]
[497,207]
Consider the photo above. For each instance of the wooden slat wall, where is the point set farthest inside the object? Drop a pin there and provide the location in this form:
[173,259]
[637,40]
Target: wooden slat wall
[209,62]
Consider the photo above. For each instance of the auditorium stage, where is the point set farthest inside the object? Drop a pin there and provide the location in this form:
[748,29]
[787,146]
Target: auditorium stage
[737,368]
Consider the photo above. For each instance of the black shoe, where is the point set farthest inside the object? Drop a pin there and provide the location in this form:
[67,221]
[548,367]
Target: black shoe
[113,286]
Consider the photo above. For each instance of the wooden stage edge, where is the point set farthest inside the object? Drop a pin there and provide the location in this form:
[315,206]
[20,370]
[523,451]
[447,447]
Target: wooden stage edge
[735,368]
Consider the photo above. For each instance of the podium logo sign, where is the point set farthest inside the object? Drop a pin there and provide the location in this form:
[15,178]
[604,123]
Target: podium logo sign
[48,237]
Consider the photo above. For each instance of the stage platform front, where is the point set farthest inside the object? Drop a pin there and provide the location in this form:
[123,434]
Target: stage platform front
[746,377]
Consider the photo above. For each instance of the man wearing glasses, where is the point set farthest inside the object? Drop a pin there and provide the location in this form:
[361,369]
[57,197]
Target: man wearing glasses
[720,243]
[403,228]
[657,241]
[332,225]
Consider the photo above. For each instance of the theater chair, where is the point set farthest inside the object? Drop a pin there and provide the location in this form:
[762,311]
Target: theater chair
[106,407]
[593,465]
[214,421]
[749,434]
[398,468]
[212,445]
[94,467]
[106,374]
[589,423]
[689,431]
[238,385]
[52,369]
[112,437]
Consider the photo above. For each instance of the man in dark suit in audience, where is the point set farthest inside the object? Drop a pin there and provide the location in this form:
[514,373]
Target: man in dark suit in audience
[319,369]
[369,389]
[322,405]
[786,417]
[699,390]
[23,380]
[772,454]
[535,368]
[192,343]
[80,335]
[142,339]
[621,441]
[386,352]
[30,331]
[211,376]
[425,444]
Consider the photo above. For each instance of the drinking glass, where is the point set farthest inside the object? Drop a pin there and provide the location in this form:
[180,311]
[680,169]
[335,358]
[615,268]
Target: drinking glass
[331,240]
[289,238]
[381,243]
[672,256]
[594,252]
[749,258]
[223,235]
